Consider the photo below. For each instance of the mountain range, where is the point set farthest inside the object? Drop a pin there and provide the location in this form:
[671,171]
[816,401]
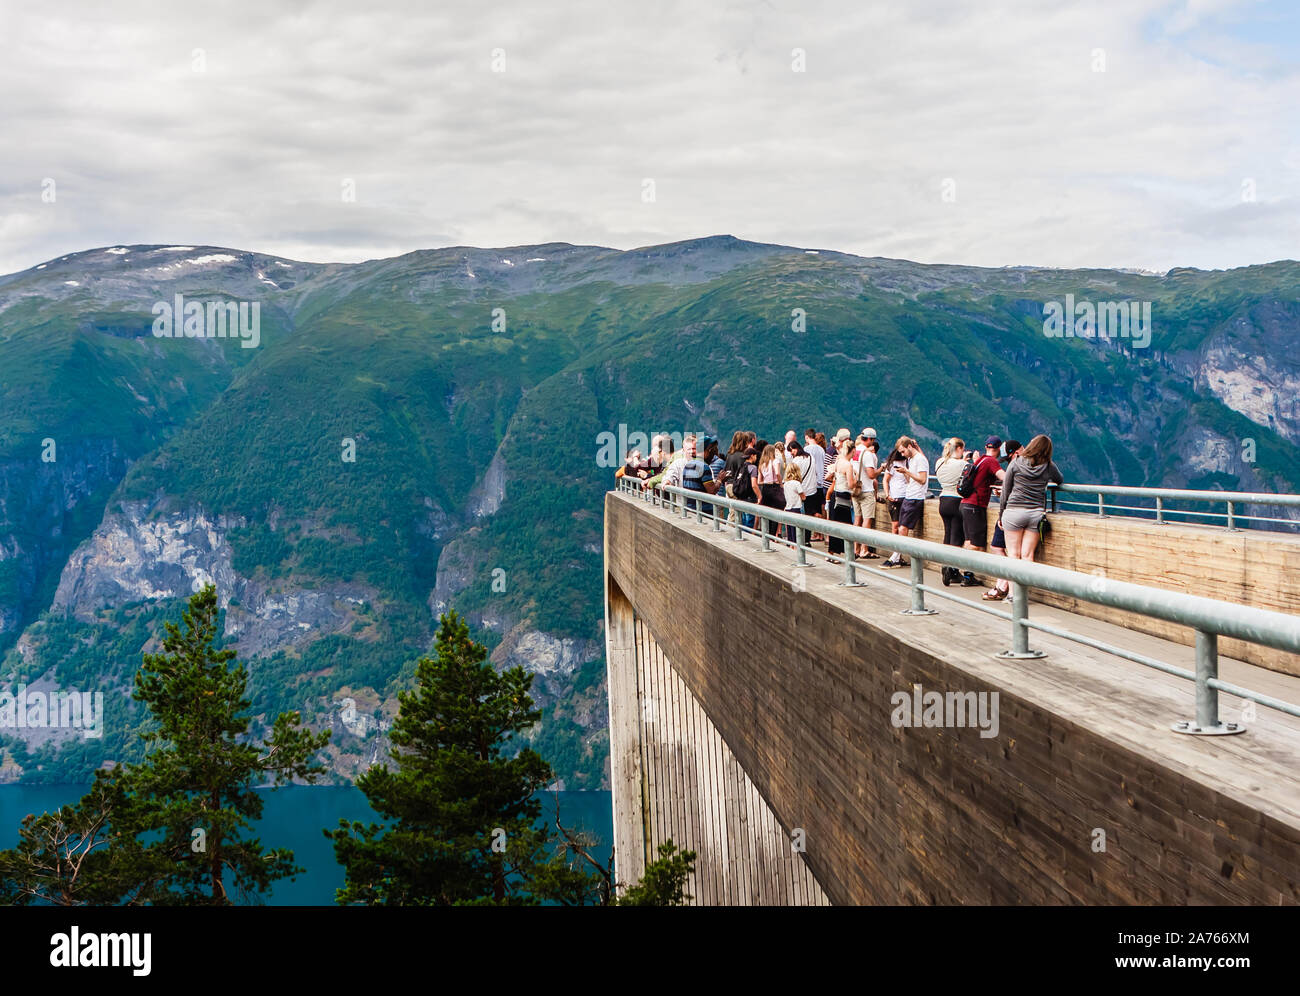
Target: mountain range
[421,433]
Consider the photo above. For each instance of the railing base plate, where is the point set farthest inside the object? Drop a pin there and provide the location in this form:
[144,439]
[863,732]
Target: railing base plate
[855,584]
[1011,655]
[1190,726]
[919,612]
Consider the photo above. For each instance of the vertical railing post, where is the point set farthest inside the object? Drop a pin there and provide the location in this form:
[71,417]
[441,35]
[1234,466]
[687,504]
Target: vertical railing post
[1101,504]
[1160,509]
[850,567]
[1232,523]
[717,523]
[801,541]
[1207,721]
[1019,632]
[918,595]
[762,528]
[1207,667]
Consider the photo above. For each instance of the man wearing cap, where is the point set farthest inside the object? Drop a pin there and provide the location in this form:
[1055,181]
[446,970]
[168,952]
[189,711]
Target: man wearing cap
[975,507]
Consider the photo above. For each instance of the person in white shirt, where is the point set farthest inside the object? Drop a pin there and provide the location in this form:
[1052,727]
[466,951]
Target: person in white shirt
[814,482]
[949,469]
[895,486]
[916,476]
[866,465]
[793,487]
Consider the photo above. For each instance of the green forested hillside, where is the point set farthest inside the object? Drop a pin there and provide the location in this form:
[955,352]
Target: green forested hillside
[470,386]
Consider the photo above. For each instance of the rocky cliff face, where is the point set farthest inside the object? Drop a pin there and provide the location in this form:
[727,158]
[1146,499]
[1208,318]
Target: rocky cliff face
[146,552]
[545,655]
[136,555]
[45,505]
[1253,367]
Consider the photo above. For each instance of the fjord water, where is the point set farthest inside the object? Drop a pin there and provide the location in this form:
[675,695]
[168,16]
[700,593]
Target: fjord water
[294,817]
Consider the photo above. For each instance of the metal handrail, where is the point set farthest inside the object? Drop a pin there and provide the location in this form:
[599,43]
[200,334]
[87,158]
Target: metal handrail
[1209,618]
[1232,499]
[1160,496]
[1177,494]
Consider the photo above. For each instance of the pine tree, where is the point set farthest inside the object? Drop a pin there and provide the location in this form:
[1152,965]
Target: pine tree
[172,830]
[196,785]
[664,881]
[84,854]
[462,813]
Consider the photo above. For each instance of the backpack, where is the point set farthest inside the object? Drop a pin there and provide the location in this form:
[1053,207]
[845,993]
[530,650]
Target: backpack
[966,486]
[742,485]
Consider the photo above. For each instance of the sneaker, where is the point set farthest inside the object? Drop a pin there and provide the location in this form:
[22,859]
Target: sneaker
[892,563]
[970,581]
[947,576]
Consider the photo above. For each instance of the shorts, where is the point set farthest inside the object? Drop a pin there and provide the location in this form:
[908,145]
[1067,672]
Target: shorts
[1021,518]
[895,508]
[975,523]
[910,514]
[864,506]
[812,504]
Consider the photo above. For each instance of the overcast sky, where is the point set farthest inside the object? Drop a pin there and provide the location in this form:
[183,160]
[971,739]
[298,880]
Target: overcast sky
[1127,133]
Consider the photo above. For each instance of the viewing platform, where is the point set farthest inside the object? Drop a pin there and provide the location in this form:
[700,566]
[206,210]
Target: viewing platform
[774,718]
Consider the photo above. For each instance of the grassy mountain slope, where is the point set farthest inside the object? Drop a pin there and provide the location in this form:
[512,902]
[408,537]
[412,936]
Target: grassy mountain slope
[471,386]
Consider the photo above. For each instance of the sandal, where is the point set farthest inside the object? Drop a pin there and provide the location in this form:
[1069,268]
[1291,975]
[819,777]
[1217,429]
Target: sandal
[993,595]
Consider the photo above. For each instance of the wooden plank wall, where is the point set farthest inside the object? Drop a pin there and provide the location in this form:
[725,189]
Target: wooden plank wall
[674,778]
[1248,567]
[626,783]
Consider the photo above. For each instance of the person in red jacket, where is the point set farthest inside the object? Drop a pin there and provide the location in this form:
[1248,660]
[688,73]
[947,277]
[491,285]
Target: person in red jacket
[975,507]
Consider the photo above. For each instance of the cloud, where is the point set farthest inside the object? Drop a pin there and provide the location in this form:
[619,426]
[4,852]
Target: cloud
[1051,162]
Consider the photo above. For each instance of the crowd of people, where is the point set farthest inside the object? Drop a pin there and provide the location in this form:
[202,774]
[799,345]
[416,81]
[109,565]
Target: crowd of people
[845,479]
